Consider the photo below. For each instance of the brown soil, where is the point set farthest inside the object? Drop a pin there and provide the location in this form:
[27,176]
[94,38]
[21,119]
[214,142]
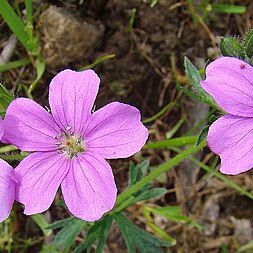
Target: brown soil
[148,59]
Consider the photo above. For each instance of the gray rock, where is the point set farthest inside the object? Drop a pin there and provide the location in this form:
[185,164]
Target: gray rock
[65,39]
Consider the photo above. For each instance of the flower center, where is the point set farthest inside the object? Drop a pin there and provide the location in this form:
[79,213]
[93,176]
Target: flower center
[69,143]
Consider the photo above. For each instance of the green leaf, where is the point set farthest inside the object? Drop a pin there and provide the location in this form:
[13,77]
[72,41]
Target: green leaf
[149,194]
[16,24]
[99,231]
[92,236]
[14,64]
[202,135]
[40,68]
[248,43]
[174,213]
[5,99]
[231,46]
[175,142]
[227,8]
[61,223]
[99,60]
[104,230]
[194,79]
[248,247]
[40,220]
[153,3]
[138,238]
[137,172]
[66,236]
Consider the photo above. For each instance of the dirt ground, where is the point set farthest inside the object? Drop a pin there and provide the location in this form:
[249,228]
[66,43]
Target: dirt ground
[145,71]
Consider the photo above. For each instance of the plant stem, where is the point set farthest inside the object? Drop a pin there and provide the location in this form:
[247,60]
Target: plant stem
[225,179]
[13,157]
[158,171]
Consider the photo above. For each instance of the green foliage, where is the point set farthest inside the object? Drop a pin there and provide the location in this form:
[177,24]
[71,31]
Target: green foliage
[15,23]
[137,172]
[40,220]
[5,99]
[132,19]
[99,60]
[14,64]
[137,238]
[202,135]
[231,46]
[150,194]
[226,8]
[153,3]
[246,248]
[238,47]
[173,213]
[40,68]
[194,79]
[98,232]
[248,43]
[60,223]
[66,236]
[226,180]
[175,142]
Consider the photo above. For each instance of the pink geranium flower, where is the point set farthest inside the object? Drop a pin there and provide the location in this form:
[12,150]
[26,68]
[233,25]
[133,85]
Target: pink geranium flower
[7,184]
[230,82]
[71,145]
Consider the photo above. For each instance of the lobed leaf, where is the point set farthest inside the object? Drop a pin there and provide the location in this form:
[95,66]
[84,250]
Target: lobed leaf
[99,231]
[248,43]
[231,46]
[194,79]
[66,236]
[138,238]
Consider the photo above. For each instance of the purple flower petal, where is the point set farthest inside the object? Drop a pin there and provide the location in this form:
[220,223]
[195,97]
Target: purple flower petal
[7,189]
[232,138]
[89,189]
[115,131]
[40,174]
[71,97]
[1,128]
[230,82]
[29,126]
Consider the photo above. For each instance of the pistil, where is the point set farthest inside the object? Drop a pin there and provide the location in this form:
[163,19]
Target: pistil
[70,143]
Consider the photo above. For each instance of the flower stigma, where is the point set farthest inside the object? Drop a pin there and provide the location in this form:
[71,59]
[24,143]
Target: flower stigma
[69,143]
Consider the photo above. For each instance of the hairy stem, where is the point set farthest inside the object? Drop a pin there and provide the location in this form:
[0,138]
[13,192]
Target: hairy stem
[158,171]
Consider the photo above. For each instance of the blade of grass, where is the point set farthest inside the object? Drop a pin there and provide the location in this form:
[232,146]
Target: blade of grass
[40,68]
[40,220]
[218,175]
[29,12]
[175,128]
[14,64]
[227,8]
[175,142]
[160,113]
[98,61]
[15,23]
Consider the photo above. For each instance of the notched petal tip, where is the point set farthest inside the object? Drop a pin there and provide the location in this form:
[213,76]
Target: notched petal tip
[230,82]
[71,97]
[231,137]
[116,131]
[29,126]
